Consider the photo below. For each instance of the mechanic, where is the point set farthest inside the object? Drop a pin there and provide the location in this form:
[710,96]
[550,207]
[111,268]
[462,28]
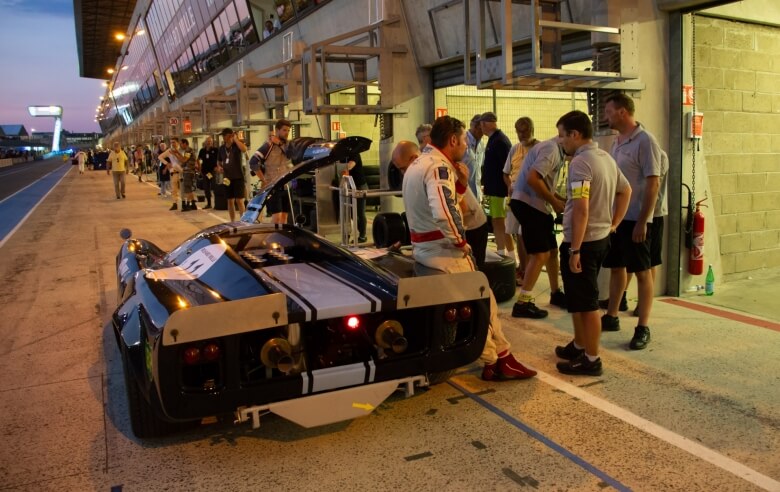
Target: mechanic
[524,127]
[430,195]
[595,187]
[229,162]
[207,158]
[189,170]
[271,161]
[638,156]
[533,201]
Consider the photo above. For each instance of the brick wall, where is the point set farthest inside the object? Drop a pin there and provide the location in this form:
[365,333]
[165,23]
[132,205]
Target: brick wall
[738,89]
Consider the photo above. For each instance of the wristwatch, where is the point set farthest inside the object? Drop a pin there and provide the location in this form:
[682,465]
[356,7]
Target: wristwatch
[574,251]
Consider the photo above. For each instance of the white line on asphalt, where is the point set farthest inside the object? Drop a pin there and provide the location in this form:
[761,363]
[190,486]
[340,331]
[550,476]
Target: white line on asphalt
[24,219]
[691,447]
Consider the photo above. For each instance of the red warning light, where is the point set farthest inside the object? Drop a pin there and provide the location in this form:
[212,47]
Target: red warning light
[353,322]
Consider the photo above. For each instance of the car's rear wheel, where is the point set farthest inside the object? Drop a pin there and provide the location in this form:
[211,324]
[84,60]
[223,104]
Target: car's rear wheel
[143,421]
[449,333]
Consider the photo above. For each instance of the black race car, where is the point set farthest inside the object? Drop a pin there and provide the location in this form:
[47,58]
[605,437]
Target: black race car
[248,318]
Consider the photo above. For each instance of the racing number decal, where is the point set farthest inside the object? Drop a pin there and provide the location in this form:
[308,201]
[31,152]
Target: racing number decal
[193,267]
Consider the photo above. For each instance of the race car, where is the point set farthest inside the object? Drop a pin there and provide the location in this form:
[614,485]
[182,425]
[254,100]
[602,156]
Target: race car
[247,318]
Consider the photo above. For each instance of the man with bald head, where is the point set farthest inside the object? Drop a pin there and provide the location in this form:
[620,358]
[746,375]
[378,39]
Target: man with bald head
[404,153]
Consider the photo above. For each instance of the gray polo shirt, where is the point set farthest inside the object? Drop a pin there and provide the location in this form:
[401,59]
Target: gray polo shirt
[639,157]
[662,204]
[545,158]
[593,175]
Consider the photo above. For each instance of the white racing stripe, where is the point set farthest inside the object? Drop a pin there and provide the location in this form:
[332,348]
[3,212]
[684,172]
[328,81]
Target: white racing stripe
[329,297]
[267,278]
[687,445]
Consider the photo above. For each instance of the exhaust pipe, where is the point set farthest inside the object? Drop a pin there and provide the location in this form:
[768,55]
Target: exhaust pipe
[277,354]
[390,335]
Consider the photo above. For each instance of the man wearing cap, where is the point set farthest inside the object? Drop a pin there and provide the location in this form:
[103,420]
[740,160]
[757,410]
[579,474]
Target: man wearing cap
[496,152]
[433,186]
[229,162]
[270,162]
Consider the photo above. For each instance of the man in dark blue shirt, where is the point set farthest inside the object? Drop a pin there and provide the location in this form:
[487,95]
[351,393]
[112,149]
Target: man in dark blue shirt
[493,184]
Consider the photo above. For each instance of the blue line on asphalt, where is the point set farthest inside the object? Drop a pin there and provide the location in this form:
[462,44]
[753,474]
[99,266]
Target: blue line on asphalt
[542,438]
[15,209]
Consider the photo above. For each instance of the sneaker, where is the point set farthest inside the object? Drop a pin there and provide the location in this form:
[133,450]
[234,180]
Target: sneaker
[604,303]
[362,239]
[174,207]
[581,366]
[610,323]
[641,338]
[569,352]
[558,298]
[193,206]
[208,205]
[527,310]
[511,368]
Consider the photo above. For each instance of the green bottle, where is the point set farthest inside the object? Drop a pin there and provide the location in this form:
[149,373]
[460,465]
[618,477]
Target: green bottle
[709,284]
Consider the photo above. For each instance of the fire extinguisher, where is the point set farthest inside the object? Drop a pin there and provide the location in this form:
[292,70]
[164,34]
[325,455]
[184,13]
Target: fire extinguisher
[696,256]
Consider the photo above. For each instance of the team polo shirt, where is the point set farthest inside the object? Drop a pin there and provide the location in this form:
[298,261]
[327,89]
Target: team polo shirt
[545,158]
[593,176]
[638,157]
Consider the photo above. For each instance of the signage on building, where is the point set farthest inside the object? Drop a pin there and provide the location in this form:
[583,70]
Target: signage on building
[441,112]
[173,121]
[687,95]
[335,126]
[187,126]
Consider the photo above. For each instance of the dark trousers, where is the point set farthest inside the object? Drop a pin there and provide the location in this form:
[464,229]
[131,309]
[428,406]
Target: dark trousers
[478,239]
[208,186]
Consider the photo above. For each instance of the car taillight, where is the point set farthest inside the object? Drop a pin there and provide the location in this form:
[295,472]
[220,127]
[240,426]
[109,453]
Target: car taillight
[210,352]
[465,312]
[352,323]
[450,314]
[191,355]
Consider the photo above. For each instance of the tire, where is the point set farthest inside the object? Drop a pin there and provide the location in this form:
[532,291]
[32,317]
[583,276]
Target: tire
[143,420]
[388,228]
[500,272]
[449,332]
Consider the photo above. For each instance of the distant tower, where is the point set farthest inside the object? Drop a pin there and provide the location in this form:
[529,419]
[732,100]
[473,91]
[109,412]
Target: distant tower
[51,112]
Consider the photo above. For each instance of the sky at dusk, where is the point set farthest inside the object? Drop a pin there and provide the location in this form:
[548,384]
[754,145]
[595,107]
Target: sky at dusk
[40,66]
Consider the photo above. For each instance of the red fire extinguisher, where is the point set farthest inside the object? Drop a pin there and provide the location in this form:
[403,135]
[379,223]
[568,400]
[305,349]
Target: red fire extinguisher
[696,256]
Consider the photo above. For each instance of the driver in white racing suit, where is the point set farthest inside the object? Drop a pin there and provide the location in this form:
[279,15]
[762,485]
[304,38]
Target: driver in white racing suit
[431,192]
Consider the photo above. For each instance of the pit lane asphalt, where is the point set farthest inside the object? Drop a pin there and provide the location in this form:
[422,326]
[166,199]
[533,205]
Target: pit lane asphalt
[697,410]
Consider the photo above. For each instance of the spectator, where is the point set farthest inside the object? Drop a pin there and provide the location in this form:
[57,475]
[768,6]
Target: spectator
[269,29]
[475,155]
[207,159]
[230,162]
[189,170]
[496,152]
[270,162]
[119,167]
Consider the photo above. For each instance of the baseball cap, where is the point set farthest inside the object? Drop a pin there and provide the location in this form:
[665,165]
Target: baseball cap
[489,117]
[226,131]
